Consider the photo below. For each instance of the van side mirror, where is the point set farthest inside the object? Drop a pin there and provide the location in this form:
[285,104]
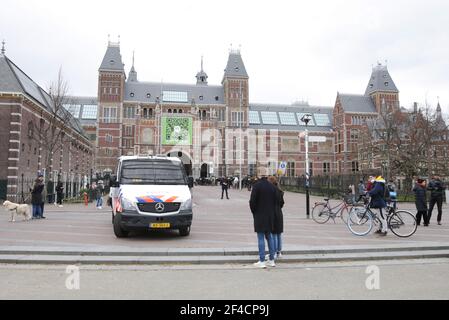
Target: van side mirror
[190,182]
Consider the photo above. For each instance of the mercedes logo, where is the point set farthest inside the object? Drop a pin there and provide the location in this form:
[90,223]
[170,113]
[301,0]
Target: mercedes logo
[159,207]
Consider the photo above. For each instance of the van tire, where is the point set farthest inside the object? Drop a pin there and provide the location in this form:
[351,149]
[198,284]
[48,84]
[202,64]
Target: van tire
[184,231]
[118,231]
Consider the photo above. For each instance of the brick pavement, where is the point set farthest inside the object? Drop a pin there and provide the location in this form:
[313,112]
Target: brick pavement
[217,224]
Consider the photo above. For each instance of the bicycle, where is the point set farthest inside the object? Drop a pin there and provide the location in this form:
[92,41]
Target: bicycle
[401,222]
[322,211]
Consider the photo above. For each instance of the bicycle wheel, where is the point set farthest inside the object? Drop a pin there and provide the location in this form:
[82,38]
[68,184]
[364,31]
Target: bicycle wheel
[402,223]
[360,222]
[344,214]
[320,213]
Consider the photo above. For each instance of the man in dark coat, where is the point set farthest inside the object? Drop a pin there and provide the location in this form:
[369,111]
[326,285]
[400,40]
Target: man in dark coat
[224,182]
[421,202]
[436,197]
[263,208]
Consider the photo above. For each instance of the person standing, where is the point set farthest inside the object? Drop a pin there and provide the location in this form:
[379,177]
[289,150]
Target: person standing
[50,189]
[377,195]
[361,190]
[436,197]
[421,202]
[263,207]
[99,195]
[36,198]
[224,187]
[278,227]
[59,193]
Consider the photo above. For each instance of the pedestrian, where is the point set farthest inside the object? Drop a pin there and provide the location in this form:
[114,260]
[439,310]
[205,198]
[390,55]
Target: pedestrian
[263,207]
[377,195]
[370,183]
[436,188]
[44,195]
[59,193]
[361,190]
[50,191]
[421,202]
[36,198]
[236,183]
[224,187]
[278,227]
[99,194]
[392,193]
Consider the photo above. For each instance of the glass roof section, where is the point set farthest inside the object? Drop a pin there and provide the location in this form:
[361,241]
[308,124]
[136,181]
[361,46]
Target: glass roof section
[254,117]
[174,96]
[73,109]
[89,111]
[322,119]
[269,117]
[287,118]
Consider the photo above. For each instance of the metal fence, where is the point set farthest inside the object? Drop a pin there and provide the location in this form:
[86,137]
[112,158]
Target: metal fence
[334,186]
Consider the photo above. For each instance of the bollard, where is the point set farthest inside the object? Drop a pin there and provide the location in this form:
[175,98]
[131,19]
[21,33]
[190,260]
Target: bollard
[86,199]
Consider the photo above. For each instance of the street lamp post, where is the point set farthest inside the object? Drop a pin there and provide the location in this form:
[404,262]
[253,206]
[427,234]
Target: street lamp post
[306,119]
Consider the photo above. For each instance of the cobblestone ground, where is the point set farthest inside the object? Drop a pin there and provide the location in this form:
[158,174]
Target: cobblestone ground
[217,224]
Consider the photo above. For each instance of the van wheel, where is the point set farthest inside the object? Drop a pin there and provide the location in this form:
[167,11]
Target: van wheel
[184,231]
[118,231]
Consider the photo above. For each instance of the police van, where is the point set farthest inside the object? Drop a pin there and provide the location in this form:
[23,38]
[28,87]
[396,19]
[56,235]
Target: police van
[151,192]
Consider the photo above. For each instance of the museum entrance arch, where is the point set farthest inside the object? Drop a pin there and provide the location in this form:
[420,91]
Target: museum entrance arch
[185,158]
[204,170]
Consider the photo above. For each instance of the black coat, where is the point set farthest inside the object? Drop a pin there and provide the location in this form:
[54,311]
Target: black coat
[36,193]
[436,187]
[279,217]
[420,198]
[263,206]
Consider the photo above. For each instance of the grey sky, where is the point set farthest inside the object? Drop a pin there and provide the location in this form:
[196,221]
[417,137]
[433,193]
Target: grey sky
[293,50]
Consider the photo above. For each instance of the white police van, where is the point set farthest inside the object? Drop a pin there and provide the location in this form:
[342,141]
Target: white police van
[151,192]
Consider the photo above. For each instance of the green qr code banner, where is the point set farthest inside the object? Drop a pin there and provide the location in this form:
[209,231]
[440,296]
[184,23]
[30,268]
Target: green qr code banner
[177,131]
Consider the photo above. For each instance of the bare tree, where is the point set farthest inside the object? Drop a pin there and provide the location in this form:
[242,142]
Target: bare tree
[50,132]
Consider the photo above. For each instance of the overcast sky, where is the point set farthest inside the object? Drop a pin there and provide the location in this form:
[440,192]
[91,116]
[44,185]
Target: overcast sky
[292,50]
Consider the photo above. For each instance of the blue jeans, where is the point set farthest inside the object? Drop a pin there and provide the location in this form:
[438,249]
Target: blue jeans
[277,240]
[99,202]
[261,240]
[37,211]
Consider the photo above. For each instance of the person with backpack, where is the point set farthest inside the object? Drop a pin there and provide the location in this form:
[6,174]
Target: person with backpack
[377,195]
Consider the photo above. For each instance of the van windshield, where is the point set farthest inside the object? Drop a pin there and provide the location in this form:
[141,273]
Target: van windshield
[152,171]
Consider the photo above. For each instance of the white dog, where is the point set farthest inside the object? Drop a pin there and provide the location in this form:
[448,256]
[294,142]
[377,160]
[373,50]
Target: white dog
[17,209]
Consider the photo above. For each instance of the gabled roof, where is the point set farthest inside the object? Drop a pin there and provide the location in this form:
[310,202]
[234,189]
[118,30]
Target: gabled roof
[380,81]
[112,60]
[356,103]
[13,79]
[235,67]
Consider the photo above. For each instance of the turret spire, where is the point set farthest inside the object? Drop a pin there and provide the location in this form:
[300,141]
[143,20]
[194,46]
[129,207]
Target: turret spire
[3,48]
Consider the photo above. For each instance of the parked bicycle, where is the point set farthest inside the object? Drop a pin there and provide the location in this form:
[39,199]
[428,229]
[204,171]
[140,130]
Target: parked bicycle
[323,211]
[362,219]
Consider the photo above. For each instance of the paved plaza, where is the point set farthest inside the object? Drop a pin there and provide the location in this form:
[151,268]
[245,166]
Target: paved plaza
[217,224]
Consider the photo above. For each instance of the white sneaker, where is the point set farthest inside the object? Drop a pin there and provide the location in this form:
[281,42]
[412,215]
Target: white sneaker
[260,264]
[271,263]
[279,255]
[60,206]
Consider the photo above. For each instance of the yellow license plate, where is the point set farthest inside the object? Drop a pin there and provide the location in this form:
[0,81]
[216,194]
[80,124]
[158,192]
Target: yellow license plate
[160,225]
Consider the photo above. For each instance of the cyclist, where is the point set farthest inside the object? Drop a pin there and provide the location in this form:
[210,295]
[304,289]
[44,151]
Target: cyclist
[377,194]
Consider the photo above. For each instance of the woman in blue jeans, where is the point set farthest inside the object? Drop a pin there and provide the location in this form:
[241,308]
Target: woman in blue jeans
[36,198]
[262,205]
[278,227]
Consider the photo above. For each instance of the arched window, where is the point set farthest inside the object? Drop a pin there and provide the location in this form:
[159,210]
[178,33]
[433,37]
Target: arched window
[180,111]
[169,110]
[175,111]
[150,113]
[204,114]
[30,129]
[145,113]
